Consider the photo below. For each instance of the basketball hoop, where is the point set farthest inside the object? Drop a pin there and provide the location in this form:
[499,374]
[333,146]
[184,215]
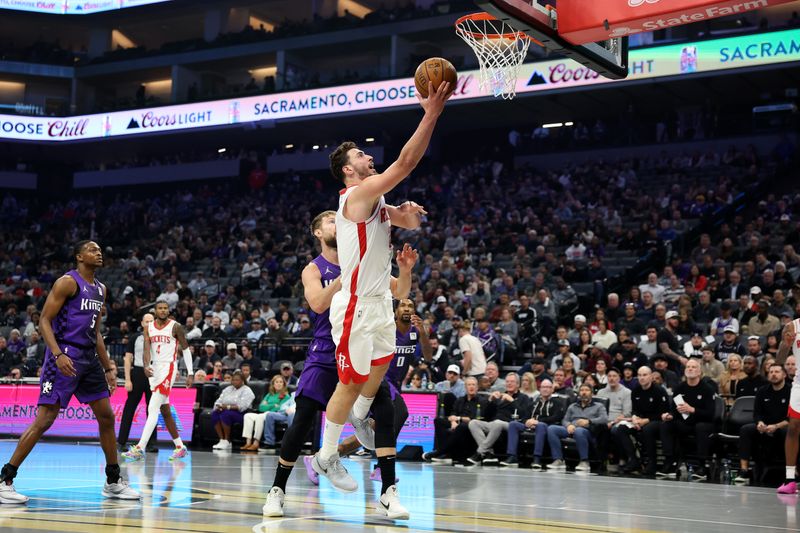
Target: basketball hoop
[500,50]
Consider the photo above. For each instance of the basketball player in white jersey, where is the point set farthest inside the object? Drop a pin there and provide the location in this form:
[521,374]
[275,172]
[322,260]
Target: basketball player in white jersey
[162,338]
[791,343]
[361,314]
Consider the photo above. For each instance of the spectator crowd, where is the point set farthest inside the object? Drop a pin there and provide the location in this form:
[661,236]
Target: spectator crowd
[513,273]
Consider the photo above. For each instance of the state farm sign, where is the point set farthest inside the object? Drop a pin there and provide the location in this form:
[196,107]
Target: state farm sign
[582,22]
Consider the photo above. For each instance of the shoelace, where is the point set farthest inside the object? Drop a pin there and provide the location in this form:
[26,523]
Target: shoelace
[338,467]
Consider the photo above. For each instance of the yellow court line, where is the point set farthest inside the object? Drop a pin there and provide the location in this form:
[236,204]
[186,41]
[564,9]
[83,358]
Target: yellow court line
[115,522]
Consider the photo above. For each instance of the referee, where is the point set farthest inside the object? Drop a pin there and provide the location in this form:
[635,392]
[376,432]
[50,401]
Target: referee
[136,383]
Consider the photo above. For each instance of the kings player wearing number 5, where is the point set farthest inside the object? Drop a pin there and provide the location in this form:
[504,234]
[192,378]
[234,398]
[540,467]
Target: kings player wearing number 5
[75,362]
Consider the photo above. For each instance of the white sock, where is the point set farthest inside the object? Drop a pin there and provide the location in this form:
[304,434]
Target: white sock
[330,439]
[361,407]
[153,410]
[790,472]
[178,442]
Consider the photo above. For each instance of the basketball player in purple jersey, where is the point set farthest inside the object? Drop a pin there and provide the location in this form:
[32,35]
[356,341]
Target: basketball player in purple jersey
[410,339]
[321,280]
[75,362]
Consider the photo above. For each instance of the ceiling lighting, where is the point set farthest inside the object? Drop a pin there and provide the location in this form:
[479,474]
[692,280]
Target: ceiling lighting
[221,151]
[552,125]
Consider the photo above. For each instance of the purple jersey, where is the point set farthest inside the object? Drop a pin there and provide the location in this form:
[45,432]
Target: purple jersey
[76,322]
[407,350]
[319,377]
[322,347]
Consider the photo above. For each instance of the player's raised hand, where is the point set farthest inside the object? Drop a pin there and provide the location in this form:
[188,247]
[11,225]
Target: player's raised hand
[407,257]
[412,207]
[434,103]
[416,321]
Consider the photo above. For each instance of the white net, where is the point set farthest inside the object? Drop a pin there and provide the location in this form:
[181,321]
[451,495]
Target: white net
[500,50]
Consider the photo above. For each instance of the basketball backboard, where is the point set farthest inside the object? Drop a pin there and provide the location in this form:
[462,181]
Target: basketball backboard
[609,57]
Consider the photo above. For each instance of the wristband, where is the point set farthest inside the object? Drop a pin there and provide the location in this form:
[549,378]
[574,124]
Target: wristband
[59,354]
[109,370]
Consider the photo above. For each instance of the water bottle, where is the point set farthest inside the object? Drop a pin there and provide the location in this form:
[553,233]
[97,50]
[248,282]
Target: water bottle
[515,416]
[424,381]
[685,472]
[725,472]
[478,411]
[441,410]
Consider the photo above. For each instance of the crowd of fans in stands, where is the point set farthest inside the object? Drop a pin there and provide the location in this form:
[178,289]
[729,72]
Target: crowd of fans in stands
[499,257]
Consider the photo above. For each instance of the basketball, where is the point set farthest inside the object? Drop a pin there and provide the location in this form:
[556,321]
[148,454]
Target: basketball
[435,70]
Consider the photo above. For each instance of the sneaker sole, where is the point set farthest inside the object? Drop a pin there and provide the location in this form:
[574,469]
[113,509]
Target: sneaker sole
[111,496]
[7,501]
[384,512]
[271,514]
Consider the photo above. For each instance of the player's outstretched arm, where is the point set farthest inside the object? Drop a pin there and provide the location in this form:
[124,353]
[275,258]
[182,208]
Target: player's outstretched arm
[406,259]
[407,215]
[318,297]
[373,187]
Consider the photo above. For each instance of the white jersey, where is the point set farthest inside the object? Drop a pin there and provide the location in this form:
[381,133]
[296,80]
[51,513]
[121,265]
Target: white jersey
[796,348]
[163,344]
[365,250]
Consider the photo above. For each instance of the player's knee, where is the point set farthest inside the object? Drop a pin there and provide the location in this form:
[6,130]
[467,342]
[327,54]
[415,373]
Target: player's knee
[105,418]
[45,419]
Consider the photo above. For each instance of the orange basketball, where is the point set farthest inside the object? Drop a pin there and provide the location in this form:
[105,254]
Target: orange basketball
[436,70]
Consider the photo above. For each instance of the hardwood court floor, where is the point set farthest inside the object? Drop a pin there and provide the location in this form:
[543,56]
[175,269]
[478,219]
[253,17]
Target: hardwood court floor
[209,492]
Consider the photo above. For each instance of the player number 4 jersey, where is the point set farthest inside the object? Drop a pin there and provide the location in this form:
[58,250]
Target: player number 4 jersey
[365,250]
[163,344]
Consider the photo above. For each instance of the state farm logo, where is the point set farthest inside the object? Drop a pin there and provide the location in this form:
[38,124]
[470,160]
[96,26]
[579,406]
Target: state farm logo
[637,3]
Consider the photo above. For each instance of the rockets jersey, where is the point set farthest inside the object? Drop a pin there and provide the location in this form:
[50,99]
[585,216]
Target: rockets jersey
[407,351]
[76,322]
[796,348]
[321,350]
[365,250]
[163,344]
